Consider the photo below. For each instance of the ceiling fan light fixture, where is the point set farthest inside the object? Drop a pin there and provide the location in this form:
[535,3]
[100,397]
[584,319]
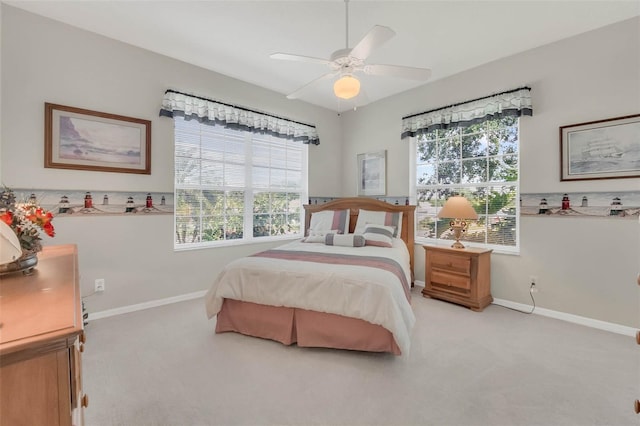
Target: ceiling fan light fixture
[346,87]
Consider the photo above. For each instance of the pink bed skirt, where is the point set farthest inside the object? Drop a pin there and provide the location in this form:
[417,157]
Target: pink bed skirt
[306,328]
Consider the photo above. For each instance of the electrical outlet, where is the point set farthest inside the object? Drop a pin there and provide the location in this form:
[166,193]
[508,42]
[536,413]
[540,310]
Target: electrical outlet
[533,279]
[533,288]
[99,285]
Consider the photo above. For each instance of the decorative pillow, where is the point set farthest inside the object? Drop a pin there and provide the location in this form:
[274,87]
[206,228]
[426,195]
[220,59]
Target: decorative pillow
[317,236]
[378,235]
[330,219]
[348,240]
[379,218]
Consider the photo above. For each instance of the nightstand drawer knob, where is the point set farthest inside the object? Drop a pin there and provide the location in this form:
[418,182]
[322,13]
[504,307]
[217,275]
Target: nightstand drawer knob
[85,400]
[636,406]
[638,337]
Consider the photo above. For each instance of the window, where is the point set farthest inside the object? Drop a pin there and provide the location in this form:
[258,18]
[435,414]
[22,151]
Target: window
[478,161]
[234,185]
[469,148]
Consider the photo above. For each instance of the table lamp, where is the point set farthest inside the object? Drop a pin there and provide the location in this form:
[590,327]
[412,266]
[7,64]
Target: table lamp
[10,249]
[457,208]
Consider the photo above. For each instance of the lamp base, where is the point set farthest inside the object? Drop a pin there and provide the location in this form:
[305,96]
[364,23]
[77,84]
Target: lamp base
[457,245]
[458,227]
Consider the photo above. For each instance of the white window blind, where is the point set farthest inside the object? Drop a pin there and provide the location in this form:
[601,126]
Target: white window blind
[236,185]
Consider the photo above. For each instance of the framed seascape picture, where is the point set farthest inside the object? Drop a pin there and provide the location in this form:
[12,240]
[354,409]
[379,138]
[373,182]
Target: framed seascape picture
[372,179]
[603,149]
[81,139]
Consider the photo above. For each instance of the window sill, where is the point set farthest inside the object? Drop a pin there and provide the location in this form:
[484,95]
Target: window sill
[513,251]
[239,242]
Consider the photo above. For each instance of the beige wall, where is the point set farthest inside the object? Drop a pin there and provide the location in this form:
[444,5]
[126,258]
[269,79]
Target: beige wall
[46,61]
[585,267]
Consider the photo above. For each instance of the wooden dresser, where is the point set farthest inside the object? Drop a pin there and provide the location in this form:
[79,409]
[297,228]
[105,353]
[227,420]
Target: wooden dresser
[461,276]
[636,403]
[41,340]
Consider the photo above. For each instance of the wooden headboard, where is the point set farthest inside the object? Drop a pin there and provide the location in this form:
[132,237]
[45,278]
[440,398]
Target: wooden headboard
[357,203]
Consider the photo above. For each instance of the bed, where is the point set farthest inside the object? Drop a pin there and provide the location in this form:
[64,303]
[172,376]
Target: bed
[321,291]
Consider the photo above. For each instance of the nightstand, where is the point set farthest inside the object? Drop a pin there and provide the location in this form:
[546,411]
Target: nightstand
[461,276]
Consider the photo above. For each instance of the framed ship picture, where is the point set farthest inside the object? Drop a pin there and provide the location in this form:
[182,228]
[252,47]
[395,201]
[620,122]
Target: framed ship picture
[603,149]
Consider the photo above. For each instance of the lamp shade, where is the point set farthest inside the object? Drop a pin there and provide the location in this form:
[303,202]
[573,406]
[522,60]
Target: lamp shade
[346,87]
[10,248]
[458,207]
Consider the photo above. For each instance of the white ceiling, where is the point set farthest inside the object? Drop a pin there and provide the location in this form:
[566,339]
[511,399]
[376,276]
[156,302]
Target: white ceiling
[235,38]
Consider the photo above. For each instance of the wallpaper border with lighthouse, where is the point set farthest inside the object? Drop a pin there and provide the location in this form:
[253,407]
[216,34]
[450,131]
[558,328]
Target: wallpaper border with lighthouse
[76,203]
[613,205]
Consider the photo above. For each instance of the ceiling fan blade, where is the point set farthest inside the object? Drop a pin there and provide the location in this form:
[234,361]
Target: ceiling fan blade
[300,91]
[398,71]
[299,58]
[375,38]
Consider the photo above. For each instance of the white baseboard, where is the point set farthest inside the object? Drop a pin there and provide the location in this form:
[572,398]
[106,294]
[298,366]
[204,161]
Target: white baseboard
[589,322]
[576,319]
[146,305]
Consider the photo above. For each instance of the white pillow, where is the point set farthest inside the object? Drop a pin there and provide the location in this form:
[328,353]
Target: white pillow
[317,236]
[378,235]
[330,220]
[379,218]
[348,240]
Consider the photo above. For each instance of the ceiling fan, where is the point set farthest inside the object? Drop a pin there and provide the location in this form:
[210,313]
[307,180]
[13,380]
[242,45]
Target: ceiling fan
[349,61]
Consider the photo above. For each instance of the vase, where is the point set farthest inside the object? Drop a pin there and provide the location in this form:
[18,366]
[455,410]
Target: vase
[25,264]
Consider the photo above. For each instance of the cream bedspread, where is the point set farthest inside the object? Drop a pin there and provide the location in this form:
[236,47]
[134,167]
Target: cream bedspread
[371,294]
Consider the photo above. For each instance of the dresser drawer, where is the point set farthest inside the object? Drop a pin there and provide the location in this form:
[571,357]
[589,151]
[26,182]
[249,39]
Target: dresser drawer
[449,262]
[445,280]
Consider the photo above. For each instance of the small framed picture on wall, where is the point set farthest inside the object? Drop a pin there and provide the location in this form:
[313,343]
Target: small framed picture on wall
[372,176]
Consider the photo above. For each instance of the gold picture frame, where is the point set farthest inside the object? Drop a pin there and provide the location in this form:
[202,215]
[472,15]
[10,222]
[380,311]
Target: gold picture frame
[81,139]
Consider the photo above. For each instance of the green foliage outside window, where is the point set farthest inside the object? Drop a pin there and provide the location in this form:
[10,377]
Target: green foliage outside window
[276,213]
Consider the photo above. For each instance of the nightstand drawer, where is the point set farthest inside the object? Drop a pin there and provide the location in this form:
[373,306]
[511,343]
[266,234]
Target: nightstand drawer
[450,280]
[449,262]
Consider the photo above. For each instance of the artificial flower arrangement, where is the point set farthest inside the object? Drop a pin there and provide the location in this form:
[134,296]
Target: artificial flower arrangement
[27,220]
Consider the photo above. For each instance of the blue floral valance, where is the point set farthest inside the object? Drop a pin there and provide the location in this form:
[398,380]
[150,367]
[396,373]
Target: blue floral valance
[212,112]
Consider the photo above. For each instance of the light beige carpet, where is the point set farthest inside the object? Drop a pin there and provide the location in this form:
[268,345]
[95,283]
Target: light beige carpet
[165,366]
